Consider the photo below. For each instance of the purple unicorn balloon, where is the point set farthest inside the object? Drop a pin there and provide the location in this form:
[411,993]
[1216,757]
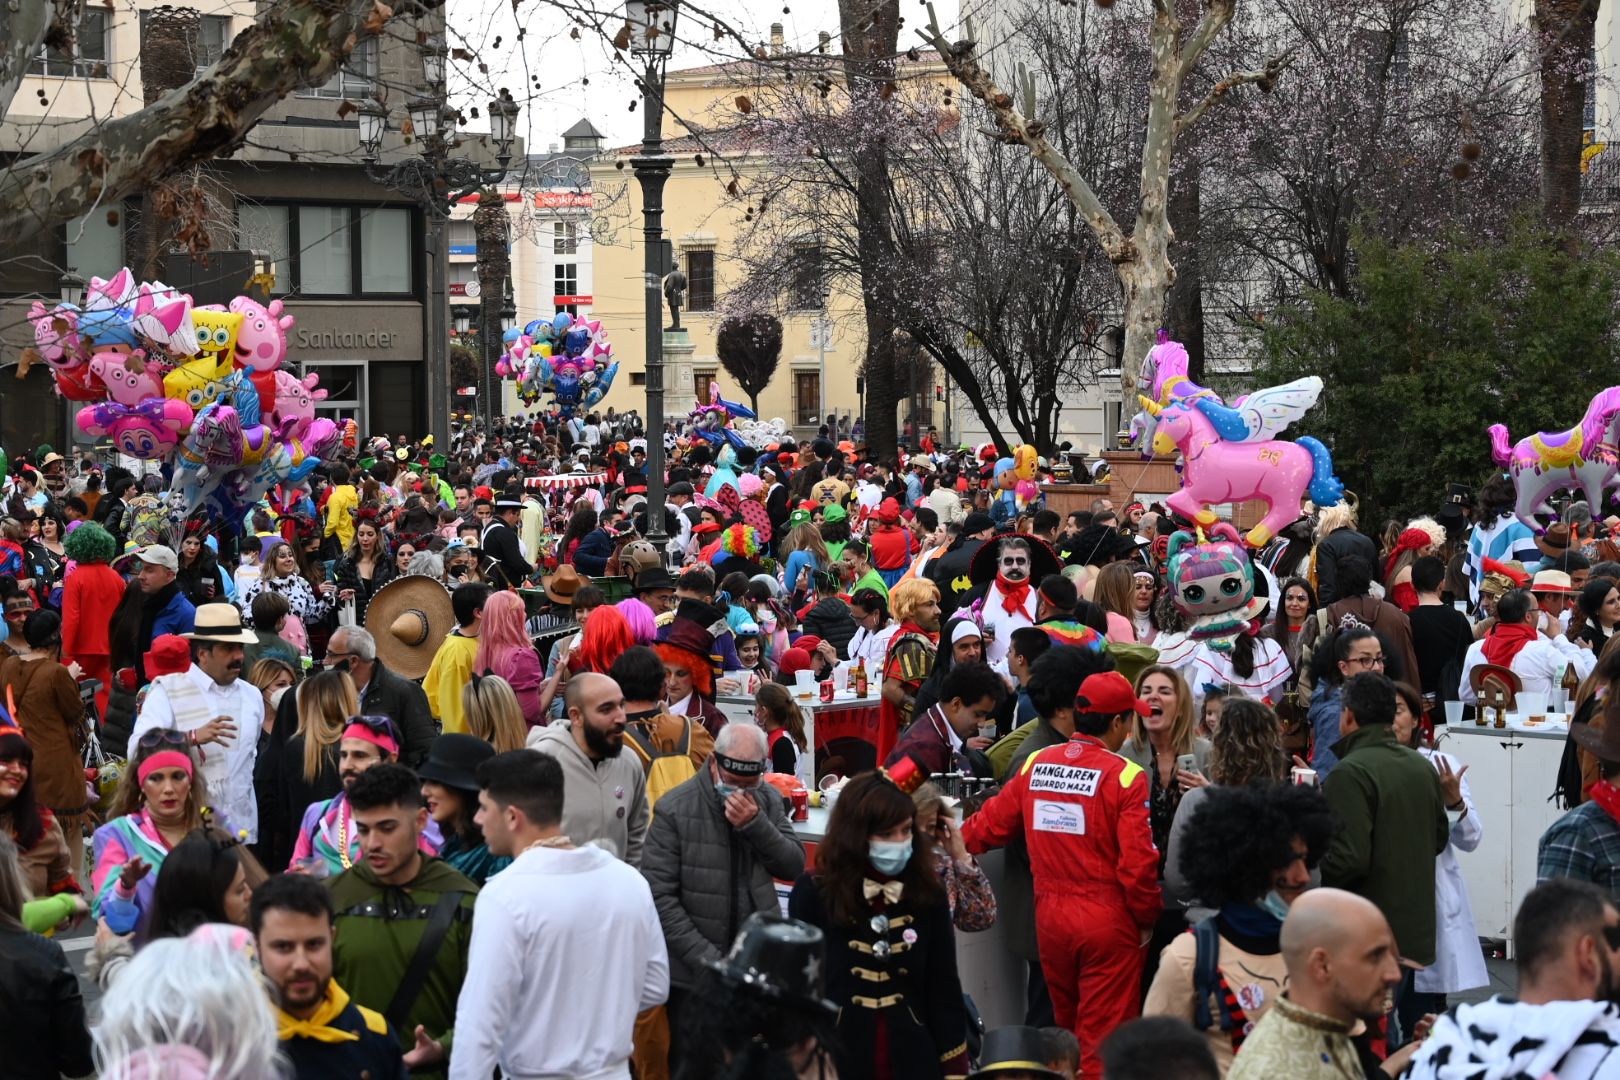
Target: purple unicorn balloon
[1582,457]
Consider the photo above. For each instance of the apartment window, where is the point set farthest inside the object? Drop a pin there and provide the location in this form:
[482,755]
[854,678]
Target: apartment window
[638,378]
[807,398]
[701,382]
[461,237]
[357,77]
[565,238]
[335,250]
[700,280]
[806,283]
[212,37]
[89,55]
[565,279]
[266,229]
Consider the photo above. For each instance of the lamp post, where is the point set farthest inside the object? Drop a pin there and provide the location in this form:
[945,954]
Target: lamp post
[437,182]
[652,38]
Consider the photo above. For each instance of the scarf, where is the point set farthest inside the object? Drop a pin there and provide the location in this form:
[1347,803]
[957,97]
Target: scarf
[1607,796]
[151,608]
[1013,594]
[317,1026]
[1505,640]
[1252,920]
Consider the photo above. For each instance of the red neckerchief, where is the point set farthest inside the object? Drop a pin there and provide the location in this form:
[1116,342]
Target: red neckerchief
[1013,596]
[1607,796]
[1505,640]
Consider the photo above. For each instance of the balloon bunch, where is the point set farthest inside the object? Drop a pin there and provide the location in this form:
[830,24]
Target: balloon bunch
[569,358]
[199,386]
[730,422]
[1015,478]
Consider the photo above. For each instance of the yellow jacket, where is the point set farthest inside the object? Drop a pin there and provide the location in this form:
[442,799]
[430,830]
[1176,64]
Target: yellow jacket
[340,507]
[450,671]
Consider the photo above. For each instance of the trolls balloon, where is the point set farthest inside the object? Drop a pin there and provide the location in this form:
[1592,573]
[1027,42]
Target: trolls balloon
[1220,470]
[1584,457]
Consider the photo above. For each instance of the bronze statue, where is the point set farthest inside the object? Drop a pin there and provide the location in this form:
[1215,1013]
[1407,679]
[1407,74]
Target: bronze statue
[675,294]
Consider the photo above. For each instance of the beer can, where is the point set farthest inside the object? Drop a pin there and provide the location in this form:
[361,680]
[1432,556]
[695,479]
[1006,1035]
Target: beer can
[826,690]
[801,804]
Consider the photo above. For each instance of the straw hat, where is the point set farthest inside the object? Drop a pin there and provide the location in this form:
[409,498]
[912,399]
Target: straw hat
[219,623]
[410,617]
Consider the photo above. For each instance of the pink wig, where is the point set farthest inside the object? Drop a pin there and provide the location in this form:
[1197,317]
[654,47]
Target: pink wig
[643,623]
[502,633]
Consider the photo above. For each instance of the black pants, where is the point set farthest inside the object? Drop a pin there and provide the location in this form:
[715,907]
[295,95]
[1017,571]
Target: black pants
[1038,1011]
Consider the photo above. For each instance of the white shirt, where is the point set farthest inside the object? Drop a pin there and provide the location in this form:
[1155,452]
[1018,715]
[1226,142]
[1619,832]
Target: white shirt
[872,646]
[1539,665]
[566,950]
[228,769]
[994,615]
[680,707]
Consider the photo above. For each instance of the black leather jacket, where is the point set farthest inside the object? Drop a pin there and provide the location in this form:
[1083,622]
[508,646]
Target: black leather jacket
[43,1024]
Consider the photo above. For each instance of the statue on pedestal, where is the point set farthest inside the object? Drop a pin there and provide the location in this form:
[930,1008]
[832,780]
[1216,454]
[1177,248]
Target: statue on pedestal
[675,295]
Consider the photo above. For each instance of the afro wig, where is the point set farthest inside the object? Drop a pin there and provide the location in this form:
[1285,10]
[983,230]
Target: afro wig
[90,543]
[1239,837]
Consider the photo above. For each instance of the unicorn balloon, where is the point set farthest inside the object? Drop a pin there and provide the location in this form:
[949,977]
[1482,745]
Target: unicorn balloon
[1582,457]
[1221,469]
[1261,415]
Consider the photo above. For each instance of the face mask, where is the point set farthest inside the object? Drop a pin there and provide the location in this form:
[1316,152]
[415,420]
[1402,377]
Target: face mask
[888,856]
[1274,904]
[277,694]
[725,791]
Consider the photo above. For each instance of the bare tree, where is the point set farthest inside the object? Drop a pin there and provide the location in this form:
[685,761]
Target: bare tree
[1565,31]
[750,347]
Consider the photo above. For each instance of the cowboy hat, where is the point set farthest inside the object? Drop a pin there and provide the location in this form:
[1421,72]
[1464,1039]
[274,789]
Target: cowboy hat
[1043,560]
[410,617]
[220,624]
[562,585]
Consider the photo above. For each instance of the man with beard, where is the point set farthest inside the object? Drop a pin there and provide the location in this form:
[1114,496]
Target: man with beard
[604,790]
[322,1032]
[715,845]
[211,704]
[327,838]
[910,656]
[404,919]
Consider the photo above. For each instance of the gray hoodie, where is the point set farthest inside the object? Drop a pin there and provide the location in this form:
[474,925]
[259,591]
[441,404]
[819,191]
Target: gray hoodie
[604,802]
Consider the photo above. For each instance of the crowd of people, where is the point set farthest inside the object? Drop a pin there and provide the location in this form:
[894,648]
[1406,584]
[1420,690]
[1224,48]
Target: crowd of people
[445,766]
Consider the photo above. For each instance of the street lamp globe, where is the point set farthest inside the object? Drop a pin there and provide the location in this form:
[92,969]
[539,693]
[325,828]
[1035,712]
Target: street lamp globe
[463,321]
[652,27]
[373,122]
[433,55]
[503,115]
[427,115]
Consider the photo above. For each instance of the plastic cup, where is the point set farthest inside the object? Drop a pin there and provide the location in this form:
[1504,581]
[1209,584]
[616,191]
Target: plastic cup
[1454,712]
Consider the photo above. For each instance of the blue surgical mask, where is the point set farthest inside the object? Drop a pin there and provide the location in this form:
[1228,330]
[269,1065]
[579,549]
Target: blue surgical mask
[888,856]
[725,791]
[1275,905]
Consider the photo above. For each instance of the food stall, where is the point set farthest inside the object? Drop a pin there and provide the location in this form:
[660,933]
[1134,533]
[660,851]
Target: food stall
[847,734]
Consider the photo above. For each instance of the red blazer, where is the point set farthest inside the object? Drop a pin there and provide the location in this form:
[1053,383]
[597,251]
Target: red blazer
[89,597]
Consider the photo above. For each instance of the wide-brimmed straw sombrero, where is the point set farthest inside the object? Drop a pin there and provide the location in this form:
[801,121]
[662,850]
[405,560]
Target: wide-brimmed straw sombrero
[410,617]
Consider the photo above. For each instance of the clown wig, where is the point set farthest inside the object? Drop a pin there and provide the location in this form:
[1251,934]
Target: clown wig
[90,543]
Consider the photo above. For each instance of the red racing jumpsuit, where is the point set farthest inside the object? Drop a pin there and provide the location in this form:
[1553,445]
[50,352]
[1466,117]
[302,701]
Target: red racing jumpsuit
[1084,814]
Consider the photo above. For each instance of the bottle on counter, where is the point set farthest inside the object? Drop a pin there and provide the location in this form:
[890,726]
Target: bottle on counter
[861,684]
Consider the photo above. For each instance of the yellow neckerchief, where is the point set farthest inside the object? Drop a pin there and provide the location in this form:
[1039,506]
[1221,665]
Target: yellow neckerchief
[331,1007]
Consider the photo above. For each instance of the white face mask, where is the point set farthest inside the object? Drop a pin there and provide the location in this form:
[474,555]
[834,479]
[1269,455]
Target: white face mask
[277,694]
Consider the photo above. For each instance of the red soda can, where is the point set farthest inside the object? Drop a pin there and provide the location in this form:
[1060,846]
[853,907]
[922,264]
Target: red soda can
[827,690]
[801,805]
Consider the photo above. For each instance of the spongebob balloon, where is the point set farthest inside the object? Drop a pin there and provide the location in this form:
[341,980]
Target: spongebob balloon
[198,382]
[216,332]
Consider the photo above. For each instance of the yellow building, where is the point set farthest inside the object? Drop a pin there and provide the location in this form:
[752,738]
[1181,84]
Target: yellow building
[822,344]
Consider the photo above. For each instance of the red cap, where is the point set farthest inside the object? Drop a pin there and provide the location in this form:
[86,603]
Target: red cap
[169,655]
[1109,693]
[888,511]
[808,642]
[907,774]
[794,660]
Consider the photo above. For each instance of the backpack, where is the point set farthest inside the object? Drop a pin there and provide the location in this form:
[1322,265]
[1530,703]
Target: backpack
[666,769]
[1207,978]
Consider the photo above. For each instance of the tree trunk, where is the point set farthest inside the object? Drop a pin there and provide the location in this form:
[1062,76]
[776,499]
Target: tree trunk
[1184,316]
[1566,30]
[168,43]
[871,36]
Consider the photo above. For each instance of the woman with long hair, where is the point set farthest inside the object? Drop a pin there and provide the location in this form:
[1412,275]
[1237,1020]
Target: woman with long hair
[802,549]
[504,649]
[1293,626]
[967,889]
[46,864]
[365,567]
[1578,770]
[305,770]
[1339,656]
[199,575]
[284,574]
[450,790]
[491,712]
[43,1026]
[46,697]
[1422,537]
[779,717]
[1144,595]
[205,879]
[1597,613]
[876,896]
[1115,592]
[161,798]
[52,533]
[90,598]
[580,525]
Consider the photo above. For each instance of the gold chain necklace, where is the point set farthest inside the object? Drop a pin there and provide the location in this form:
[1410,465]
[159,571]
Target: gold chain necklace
[343,835]
[549,842]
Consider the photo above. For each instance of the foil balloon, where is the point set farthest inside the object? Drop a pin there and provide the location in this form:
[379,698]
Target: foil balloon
[566,357]
[1212,584]
[1581,458]
[127,378]
[713,421]
[1221,470]
[149,431]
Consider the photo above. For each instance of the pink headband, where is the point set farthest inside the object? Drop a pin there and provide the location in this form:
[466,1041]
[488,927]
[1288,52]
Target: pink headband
[366,734]
[163,759]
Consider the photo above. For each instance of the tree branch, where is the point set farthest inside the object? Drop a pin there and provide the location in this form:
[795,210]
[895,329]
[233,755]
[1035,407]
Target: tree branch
[23,29]
[293,44]
[1217,13]
[1015,127]
[1265,78]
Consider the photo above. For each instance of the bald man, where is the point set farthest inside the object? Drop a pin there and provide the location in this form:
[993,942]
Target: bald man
[604,790]
[1342,969]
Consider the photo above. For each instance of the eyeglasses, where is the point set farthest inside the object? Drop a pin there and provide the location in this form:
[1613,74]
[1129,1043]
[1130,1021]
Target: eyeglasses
[158,738]
[1367,661]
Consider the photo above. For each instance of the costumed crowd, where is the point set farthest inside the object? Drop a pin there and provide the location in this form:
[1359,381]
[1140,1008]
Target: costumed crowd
[465,758]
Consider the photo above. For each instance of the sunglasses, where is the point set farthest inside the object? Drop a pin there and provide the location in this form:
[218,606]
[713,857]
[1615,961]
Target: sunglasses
[158,738]
[382,725]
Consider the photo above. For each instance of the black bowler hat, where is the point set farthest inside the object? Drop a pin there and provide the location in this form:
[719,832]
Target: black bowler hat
[453,761]
[780,959]
[653,580]
[1013,1049]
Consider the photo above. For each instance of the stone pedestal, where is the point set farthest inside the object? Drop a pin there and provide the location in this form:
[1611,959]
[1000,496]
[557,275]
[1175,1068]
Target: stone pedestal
[678,380]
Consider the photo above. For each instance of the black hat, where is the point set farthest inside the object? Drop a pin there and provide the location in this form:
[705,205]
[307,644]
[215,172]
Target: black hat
[976,522]
[1013,1049]
[1043,560]
[779,959]
[680,487]
[453,761]
[653,579]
